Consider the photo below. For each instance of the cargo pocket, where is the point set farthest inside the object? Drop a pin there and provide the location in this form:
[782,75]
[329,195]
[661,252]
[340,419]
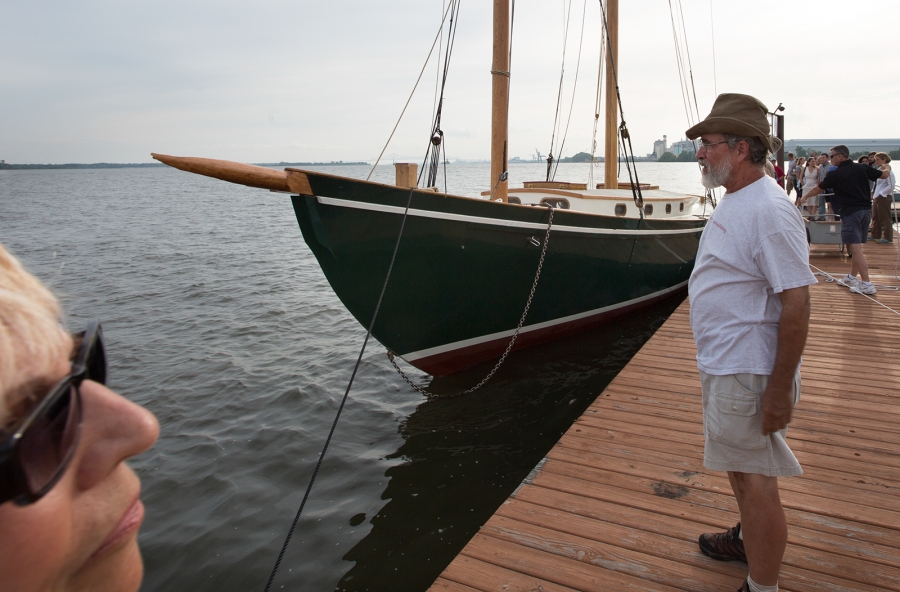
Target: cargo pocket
[734,415]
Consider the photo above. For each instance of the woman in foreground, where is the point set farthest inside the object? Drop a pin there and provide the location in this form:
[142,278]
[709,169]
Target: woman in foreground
[69,505]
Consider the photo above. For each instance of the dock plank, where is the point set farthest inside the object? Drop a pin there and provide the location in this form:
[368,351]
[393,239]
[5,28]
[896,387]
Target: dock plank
[620,500]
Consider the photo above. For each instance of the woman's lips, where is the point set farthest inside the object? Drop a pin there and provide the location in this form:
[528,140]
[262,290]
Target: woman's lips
[128,524]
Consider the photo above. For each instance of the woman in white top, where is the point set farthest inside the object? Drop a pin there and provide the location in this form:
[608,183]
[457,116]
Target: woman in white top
[809,180]
[882,231]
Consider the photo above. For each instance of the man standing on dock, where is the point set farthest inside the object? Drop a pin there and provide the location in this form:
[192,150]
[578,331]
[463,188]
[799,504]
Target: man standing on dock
[852,201]
[750,316]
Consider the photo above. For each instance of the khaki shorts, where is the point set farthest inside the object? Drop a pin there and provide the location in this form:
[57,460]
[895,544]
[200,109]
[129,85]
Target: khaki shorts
[732,424]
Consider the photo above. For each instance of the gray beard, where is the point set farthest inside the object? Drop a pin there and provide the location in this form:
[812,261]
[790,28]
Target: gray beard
[715,176]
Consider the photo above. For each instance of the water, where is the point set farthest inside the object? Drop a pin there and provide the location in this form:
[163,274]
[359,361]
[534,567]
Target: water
[219,320]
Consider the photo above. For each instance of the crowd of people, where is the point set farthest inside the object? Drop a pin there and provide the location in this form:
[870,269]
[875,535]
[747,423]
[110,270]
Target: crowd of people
[805,173]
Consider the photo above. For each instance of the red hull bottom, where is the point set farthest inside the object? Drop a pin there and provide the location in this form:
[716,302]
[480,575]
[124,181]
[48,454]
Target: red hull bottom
[455,360]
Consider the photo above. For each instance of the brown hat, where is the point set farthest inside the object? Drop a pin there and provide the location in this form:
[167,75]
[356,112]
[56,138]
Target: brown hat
[741,115]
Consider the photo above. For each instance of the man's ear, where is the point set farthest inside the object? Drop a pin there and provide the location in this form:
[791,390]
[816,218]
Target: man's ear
[743,150]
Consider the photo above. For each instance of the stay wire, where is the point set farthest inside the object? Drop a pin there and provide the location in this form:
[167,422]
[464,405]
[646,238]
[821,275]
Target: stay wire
[433,160]
[679,60]
[597,101]
[562,71]
[687,50]
[688,88]
[574,88]
[415,86]
[436,140]
[337,416]
[625,136]
[437,71]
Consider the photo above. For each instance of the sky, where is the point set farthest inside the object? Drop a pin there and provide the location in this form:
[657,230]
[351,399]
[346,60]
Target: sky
[326,80]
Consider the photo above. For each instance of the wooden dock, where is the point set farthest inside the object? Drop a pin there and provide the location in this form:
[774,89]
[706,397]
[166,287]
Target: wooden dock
[620,500]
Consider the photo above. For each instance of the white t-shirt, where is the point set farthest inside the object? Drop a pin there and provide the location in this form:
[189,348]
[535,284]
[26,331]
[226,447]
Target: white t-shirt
[753,247]
[885,187]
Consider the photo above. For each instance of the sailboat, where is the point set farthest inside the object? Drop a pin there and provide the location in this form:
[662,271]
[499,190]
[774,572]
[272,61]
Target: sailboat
[466,267]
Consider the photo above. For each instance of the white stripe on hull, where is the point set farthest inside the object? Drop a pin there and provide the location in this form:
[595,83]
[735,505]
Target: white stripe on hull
[424,353]
[346,203]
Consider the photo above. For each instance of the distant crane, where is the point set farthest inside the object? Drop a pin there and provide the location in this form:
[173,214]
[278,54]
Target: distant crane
[539,157]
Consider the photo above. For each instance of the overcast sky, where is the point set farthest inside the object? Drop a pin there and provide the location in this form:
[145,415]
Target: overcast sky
[323,80]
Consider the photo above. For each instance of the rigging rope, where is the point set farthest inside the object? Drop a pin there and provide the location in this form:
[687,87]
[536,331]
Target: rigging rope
[625,137]
[362,350]
[679,60]
[415,86]
[687,50]
[831,279]
[387,277]
[597,101]
[562,71]
[686,79]
[433,160]
[574,88]
[437,71]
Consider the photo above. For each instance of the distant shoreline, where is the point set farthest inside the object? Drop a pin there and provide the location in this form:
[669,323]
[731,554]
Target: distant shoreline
[5,166]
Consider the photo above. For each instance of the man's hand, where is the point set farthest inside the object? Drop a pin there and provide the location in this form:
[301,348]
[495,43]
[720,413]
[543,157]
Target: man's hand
[777,406]
[793,326]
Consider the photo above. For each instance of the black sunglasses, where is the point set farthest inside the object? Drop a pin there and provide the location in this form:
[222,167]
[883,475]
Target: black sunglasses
[41,446]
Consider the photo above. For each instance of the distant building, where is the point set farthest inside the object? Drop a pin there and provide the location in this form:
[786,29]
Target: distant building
[682,146]
[857,145]
[659,147]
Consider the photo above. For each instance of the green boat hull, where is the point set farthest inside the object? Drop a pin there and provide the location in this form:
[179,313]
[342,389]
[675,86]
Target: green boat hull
[465,267]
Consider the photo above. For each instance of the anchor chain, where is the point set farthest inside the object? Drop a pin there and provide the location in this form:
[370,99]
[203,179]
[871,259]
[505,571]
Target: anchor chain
[391,355]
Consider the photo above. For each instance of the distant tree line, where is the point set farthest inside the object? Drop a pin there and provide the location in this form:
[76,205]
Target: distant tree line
[684,156]
[582,157]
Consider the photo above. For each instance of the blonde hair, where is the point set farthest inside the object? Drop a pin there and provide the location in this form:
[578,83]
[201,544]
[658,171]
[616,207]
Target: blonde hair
[883,156]
[32,340]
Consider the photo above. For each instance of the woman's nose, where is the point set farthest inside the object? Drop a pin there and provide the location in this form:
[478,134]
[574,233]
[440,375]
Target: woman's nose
[113,430]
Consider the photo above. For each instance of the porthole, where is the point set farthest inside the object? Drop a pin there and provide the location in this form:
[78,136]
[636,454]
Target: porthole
[668,208]
[681,207]
[621,209]
[648,210]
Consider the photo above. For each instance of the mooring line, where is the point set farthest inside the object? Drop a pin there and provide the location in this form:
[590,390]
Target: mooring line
[312,480]
[831,279]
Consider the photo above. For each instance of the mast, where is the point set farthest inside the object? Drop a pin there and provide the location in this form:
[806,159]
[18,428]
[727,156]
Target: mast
[500,99]
[611,146]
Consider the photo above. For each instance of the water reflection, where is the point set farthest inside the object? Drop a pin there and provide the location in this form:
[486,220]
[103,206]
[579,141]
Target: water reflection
[463,456]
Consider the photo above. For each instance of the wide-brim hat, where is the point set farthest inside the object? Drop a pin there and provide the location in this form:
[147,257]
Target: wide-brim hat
[741,115]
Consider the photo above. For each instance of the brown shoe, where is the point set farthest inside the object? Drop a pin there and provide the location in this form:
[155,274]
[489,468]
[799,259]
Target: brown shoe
[724,546]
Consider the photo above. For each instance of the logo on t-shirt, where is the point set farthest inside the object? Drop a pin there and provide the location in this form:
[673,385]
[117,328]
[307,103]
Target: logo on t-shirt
[719,226]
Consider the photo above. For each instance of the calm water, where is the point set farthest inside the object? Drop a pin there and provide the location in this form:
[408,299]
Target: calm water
[220,321]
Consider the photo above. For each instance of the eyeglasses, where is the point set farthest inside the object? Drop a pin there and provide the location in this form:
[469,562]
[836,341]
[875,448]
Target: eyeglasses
[708,145]
[830,156]
[36,455]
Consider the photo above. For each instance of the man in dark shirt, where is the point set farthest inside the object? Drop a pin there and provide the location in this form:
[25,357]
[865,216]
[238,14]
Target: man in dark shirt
[853,203]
